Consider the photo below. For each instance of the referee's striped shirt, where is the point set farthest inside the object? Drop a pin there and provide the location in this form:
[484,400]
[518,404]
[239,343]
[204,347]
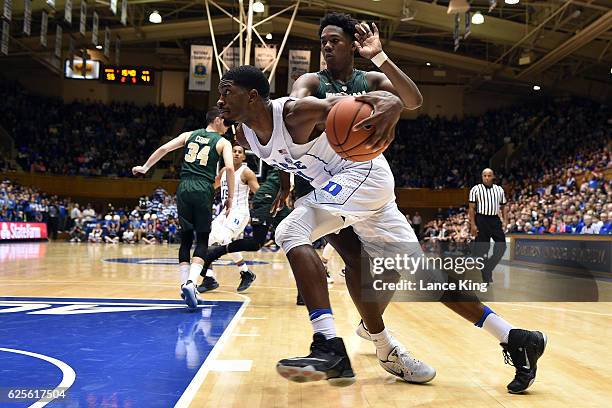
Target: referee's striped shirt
[487,199]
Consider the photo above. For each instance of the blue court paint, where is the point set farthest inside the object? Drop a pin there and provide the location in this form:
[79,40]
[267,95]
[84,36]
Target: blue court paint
[173,261]
[125,353]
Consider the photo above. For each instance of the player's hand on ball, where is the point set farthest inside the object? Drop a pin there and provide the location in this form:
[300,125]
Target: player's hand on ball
[368,40]
[139,170]
[387,110]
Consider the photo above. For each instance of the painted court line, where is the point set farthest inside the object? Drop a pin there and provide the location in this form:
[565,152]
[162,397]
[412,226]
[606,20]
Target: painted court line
[200,376]
[560,309]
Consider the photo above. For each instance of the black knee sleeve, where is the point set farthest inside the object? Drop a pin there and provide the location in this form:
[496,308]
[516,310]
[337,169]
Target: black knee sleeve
[201,244]
[186,242]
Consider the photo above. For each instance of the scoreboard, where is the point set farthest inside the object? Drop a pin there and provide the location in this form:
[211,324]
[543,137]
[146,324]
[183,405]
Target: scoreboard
[127,75]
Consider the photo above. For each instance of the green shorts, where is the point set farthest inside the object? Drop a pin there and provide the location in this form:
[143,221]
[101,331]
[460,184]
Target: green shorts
[194,200]
[260,213]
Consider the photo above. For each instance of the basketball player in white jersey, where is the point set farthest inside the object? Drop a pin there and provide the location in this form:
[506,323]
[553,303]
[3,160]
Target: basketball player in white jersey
[226,228]
[357,194]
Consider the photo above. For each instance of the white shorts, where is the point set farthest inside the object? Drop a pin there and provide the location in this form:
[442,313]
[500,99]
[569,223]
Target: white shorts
[361,197]
[226,229]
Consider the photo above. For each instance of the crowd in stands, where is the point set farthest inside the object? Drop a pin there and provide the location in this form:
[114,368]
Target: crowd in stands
[153,221]
[82,137]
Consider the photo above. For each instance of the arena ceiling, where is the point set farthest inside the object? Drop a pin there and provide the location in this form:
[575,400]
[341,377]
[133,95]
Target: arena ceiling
[568,43]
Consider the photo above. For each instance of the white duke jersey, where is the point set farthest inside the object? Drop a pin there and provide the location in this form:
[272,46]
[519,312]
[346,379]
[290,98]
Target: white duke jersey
[241,190]
[315,161]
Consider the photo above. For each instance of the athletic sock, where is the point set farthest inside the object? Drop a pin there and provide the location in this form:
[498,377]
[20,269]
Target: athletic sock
[194,272]
[210,273]
[184,270]
[384,343]
[322,321]
[495,325]
[239,261]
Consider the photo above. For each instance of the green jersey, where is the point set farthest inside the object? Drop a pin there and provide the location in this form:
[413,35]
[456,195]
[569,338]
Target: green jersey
[201,156]
[269,188]
[356,84]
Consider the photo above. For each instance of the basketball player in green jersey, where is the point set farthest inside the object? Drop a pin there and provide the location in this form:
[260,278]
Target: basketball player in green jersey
[194,195]
[341,35]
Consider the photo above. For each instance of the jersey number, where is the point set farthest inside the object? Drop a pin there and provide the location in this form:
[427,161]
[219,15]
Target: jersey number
[193,154]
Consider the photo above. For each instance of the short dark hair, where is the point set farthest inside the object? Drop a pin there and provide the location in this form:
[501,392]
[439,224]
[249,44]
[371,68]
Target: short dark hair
[212,114]
[249,77]
[345,21]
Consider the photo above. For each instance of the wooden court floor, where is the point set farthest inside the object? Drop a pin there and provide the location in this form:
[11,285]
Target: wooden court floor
[575,371]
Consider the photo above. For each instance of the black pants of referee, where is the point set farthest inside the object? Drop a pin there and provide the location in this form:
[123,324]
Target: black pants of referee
[489,226]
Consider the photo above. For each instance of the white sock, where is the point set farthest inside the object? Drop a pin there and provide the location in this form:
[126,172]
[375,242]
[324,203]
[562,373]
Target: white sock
[324,324]
[239,260]
[384,343]
[184,269]
[210,272]
[328,251]
[194,272]
[498,327]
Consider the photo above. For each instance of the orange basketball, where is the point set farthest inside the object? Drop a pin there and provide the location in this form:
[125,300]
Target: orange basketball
[349,143]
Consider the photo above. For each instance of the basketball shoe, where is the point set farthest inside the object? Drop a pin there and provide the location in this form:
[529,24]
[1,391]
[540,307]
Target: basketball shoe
[209,283]
[190,292]
[327,360]
[522,351]
[246,279]
[402,364]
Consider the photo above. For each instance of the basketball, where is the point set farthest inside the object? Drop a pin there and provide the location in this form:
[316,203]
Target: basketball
[347,142]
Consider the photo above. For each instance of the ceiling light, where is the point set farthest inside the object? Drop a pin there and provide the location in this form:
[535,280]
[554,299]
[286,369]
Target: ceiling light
[155,17]
[477,18]
[258,7]
[428,64]
[269,36]
[511,1]
[536,87]
[99,46]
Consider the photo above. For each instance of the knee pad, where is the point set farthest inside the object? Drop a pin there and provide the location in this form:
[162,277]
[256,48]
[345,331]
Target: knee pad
[293,231]
[201,244]
[186,242]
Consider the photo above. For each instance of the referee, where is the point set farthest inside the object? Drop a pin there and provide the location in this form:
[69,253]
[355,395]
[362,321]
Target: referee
[485,201]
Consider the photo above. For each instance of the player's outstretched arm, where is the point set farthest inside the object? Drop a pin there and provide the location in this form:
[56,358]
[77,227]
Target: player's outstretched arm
[161,151]
[392,78]
[305,85]
[224,148]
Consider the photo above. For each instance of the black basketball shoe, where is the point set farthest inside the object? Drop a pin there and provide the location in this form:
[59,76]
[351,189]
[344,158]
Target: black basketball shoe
[246,279]
[523,350]
[209,283]
[327,360]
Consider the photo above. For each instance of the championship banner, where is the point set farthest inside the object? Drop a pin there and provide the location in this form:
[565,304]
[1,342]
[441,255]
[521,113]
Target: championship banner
[322,63]
[107,35]
[200,67]
[68,11]
[231,57]
[4,44]
[8,9]
[299,64]
[124,12]
[264,57]
[22,230]
[58,41]
[27,17]
[113,6]
[117,50]
[83,18]
[71,50]
[94,29]
[44,22]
